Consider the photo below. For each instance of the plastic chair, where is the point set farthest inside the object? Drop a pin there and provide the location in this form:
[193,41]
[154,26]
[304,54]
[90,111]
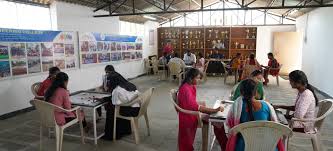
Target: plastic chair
[325,108]
[204,127]
[261,135]
[144,100]
[278,74]
[176,70]
[46,111]
[148,65]
[34,89]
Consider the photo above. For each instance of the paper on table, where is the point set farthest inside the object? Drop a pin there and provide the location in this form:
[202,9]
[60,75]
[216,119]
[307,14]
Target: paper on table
[226,106]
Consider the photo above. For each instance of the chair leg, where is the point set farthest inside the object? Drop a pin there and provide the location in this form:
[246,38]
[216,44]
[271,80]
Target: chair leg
[135,128]
[205,136]
[147,123]
[115,123]
[315,142]
[61,136]
[82,133]
[40,137]
[225,78]
[57,133]
[277,80]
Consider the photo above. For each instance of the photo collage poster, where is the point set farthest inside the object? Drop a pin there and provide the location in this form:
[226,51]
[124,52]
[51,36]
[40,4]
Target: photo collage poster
[98,48]
[25,52]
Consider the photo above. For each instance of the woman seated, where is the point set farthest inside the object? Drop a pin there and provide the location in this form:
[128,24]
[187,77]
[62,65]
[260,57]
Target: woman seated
[187,100]
[305,104]
[122,92]
[200,63]
[250,65]
[246,108]
[58,95]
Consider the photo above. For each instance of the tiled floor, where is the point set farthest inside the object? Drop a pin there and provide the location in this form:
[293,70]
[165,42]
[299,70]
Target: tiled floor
[21,133]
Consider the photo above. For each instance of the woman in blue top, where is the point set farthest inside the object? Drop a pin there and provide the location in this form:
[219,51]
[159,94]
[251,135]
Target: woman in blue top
[252,109]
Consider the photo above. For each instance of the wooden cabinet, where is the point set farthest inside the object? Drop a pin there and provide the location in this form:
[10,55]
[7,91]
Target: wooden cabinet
[226,40]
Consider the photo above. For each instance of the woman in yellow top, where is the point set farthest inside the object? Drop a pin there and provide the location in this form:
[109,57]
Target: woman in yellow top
[235,65]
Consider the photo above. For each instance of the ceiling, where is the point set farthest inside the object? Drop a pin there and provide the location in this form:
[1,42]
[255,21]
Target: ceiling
[157,5]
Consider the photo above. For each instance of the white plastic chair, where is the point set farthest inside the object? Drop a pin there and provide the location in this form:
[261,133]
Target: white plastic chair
[46,111]
[261,135]
[278,74]
[175,69]
[148,65]
[144,100]
[204,127]
[34,89]
[325,108]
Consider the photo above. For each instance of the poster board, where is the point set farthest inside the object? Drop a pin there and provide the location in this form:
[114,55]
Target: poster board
[24,52]
[97,48]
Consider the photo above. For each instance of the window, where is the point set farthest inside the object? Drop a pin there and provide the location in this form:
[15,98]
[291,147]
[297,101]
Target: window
[131,29]
[24,16]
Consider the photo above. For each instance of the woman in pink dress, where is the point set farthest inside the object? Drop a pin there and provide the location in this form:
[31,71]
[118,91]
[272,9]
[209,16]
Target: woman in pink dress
[58,95]
[187,100]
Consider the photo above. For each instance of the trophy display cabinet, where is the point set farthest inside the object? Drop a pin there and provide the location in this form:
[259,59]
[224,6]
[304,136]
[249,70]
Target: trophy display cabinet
[226,40]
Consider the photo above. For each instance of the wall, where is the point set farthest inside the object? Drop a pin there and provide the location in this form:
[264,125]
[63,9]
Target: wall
[265,40]
[15,93]
[317,47]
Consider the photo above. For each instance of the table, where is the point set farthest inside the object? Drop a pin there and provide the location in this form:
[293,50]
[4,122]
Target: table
[88,99]
[222,116]
[218,117]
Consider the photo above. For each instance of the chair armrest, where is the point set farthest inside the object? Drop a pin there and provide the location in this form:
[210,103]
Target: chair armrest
[70,110]
[304,120]
[130,103]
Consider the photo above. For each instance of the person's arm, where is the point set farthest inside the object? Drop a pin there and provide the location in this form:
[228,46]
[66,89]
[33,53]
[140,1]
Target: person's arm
[286,107]
[207,110]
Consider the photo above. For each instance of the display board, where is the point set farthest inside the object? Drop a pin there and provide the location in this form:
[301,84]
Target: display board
[96,48]
[25,52]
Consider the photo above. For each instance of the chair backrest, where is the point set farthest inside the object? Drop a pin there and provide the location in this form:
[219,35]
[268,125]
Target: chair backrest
[147,63]
[46,112]
[174,100]
[233,90]
[261,135]
[145,100]
[35,87]
[325,108]
[174,68]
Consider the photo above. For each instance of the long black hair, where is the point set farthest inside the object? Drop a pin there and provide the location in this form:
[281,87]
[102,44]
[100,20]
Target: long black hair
[190,75]
[53,70]
[299,77]
[115,79]
[248,90]
[58,82]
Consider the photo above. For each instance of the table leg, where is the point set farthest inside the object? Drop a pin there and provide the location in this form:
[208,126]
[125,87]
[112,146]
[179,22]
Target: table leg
[94,125]
[209,134]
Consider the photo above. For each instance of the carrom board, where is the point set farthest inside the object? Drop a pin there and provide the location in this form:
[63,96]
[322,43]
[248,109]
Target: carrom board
[87,98]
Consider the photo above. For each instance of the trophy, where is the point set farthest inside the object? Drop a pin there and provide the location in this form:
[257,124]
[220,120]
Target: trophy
[193,44]
[236,45]
[216,34]
[190,46]
[198,44]
[183,45]
[196,34]
[175,45]
[170,34]
[199,33]
[210,33]
[247,33]
[186,33]
[183,34]
[226,34]
[201,45]
[222,34]
[254,33]
[242,46]
[191,34]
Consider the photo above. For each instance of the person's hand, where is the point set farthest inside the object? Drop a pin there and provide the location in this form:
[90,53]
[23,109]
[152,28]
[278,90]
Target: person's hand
[219,109]
[275,106]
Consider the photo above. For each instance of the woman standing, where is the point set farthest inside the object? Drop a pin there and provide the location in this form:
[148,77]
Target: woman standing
[201,63]
[305,104]
[187,100]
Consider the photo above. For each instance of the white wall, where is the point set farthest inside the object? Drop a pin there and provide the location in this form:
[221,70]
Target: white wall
[265,40]
[317,48]
[15,93]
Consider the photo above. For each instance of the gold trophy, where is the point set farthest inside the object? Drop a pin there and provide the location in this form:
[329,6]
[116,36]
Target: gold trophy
[247,33]
[210,33]
[222,34]
[253,33]
[194,44]
[190,44]
[186,33]
[175,45]
[191,34]
[216,34]
[183,34]
[236,45]
[196,34]
[199,33]
[226,34]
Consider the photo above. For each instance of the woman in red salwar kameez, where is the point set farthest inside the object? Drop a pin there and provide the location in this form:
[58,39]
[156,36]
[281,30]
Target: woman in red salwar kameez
[187,100]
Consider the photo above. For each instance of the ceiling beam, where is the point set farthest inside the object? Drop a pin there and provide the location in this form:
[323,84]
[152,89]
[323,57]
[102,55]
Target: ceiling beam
[223,9]
[153,3]
[107,3]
